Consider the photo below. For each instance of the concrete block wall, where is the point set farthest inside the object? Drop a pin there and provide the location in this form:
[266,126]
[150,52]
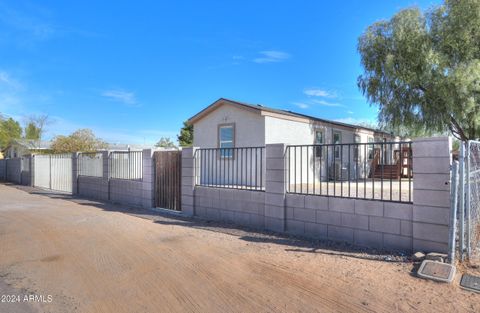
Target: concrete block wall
[368,223]
[136,193]
[14,170]
[188,181]
[3,170]
[431,193]
[92,187]
[422,225]
[139,193]
[242,207]
[28,174]
[275,170]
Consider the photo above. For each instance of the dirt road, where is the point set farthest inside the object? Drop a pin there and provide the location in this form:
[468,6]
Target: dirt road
[91,258]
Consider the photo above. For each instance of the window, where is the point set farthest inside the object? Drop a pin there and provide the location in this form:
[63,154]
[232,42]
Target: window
[318,141]
[226,139]
[356,139]
[337,139]
[370,148]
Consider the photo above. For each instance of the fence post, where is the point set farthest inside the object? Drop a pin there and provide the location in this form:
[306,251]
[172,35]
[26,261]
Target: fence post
[453,213]
[431,193]
[462,201]
[467,200]
[106,172]
[74,173]
[188,181]
[275,187]
[32,170]
[148,179]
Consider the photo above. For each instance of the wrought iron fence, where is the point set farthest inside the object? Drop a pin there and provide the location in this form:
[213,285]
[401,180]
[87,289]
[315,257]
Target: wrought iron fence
[376,170]
[90,164]
[236,168]
[126,165]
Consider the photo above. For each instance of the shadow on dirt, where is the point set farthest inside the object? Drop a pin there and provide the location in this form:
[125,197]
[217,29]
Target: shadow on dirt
[292,242]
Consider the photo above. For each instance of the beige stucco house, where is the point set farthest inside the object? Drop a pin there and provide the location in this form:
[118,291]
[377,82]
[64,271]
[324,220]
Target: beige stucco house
[232,124]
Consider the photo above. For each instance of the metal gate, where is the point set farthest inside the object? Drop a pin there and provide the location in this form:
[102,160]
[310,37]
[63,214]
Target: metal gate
[53,171]
[168,165]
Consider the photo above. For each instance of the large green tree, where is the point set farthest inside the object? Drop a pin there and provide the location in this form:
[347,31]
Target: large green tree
[82,140]
[423,69]
[9,130]
[185,138]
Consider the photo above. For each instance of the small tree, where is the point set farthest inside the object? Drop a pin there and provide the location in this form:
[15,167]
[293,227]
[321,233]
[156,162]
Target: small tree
[83,140]
[165,142]
[185,138]
[423,69]
[35,126]
[32,132]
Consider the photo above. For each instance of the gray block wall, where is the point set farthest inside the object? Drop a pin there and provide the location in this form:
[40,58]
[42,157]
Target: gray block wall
[3,170]
[368,223]
[139,193]
[422,225]
[242,207]
[431,193]
[14,170]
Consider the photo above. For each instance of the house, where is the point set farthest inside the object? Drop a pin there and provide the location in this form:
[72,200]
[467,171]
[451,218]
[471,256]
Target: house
[232,124]
[21,147]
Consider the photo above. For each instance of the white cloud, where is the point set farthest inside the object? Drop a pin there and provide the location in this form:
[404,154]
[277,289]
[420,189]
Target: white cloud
[272,56]
[7,81]
[123,96]
[301,105]
[328,104]
[350,112]
[317,92]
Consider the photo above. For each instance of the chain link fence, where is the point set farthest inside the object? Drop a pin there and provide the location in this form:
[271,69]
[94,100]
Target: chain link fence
[472,200]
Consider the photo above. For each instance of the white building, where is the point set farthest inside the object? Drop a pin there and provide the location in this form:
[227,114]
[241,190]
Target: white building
[232,124]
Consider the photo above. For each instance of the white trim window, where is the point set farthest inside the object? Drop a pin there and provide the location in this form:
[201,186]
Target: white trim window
[337,139]
[226,139]
[370,148]
[319,135]
[356,140]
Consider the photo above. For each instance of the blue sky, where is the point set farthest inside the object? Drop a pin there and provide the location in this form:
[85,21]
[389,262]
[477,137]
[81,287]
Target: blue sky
[133,71]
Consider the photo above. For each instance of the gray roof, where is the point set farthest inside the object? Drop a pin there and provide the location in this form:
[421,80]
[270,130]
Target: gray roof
[33,144]
[289,113]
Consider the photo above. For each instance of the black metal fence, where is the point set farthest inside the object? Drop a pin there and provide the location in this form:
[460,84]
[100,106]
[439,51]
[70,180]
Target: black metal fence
[126,165]
[90,164]
[236,168]
[375,170]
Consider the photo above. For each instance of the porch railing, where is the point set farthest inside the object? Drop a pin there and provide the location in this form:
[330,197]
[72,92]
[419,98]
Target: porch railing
[376,170]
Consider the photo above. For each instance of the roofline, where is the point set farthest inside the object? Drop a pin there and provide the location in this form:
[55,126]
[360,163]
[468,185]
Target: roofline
[260,108]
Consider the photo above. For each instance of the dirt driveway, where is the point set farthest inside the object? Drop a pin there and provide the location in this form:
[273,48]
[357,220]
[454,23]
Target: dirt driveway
[94,258]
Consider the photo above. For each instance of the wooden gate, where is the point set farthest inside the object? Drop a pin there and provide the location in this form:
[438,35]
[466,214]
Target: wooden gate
[168,166]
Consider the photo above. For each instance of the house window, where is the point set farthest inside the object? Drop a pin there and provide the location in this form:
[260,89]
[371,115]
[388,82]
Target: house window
[370,148]
[226,140]
[318,141]
[357,140]
[337,139]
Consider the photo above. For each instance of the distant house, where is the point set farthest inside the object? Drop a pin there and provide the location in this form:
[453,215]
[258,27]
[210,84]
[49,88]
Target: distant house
[232,124]
[21,147]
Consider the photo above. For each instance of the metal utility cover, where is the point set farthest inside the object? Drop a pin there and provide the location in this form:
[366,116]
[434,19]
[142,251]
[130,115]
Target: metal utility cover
[470,282]
[437,271]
